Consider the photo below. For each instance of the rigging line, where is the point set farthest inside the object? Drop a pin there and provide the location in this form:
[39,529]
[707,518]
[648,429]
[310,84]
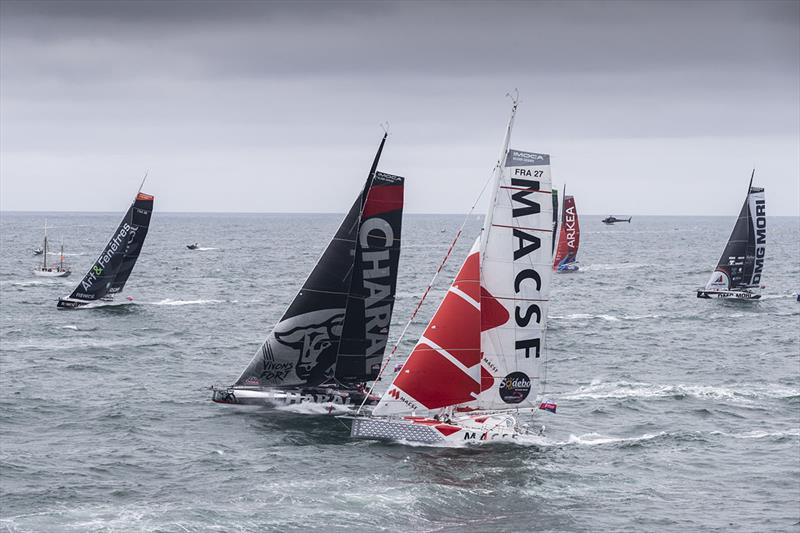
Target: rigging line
[427,289]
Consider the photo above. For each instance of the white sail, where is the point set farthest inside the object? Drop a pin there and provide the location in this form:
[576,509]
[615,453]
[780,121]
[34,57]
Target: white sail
[516,264]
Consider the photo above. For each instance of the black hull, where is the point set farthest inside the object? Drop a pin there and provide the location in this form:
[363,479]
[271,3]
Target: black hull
[70,304]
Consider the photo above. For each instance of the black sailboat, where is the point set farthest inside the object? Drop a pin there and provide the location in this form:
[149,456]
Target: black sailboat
[111,270]
[739,269]
[331,339]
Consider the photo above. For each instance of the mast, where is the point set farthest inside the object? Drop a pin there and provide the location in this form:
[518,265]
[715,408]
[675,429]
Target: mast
[498,171]
[62,254]
[44,259]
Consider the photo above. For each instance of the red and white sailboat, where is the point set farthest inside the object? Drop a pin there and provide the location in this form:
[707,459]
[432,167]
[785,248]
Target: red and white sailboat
[566,256]
[477,367]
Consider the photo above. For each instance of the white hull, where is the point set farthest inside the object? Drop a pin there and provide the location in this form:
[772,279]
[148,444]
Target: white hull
[51,273]
[728,294]
[472,429]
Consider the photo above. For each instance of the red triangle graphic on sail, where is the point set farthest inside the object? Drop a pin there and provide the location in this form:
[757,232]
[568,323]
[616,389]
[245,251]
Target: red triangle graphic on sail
[493,314]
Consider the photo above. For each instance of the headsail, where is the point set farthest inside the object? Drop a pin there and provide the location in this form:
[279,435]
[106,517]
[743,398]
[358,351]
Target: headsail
[342,312]
[110,271]
[742,261]
[444,367]
[570,236]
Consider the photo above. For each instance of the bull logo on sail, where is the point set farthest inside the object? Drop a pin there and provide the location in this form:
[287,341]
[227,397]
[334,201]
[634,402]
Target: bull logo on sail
[311,339]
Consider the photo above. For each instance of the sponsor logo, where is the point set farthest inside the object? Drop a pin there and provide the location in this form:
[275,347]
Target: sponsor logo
[760,223]
[515,387]
[569,225]
[526,243]
[376,238]
[111,250]
[315,344]
[397,395]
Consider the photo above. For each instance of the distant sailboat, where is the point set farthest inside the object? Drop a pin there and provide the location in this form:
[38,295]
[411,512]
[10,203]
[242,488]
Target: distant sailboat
[331,340]
[59,270]
[111,270]
[478,364]
[566,256]
[742,263]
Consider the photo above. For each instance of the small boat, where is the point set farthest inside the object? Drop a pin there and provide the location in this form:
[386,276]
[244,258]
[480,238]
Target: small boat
[194,246]
[111,270]
[566,256]
[613,220]
[740,267]
[331,340]
[37,251]
[59,270]
[479,363]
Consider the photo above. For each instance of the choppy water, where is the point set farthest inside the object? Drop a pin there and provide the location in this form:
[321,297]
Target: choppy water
[675,414]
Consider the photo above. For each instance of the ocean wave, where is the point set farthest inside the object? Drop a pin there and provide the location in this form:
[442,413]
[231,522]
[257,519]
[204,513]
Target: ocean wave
[745,393]
[595,439]
[609,318]
[308,408]
[612,266]
[759,434]
[170,301]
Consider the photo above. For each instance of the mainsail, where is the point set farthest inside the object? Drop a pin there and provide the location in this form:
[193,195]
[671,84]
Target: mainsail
[484,345]
[110,271]
[570,236]
[337,326]
[742,261]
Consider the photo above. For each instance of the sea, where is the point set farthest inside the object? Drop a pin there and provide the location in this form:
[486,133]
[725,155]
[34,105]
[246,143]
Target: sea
[674,413]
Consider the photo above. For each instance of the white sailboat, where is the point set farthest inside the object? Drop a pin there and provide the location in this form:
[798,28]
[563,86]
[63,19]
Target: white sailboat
[477,368]
[58,270]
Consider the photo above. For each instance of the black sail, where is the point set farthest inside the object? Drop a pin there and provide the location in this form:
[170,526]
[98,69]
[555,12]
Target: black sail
[742,261]
[303,347]
[372,290]
[110,271]
[141,211]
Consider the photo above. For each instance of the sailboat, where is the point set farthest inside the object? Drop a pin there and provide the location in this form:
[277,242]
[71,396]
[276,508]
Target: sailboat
[740,268]
[59,270]
[111,270]
[477,367]
[331,340]
[566,256]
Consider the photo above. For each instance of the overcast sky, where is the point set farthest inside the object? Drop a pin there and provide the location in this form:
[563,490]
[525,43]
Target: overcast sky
[646,107]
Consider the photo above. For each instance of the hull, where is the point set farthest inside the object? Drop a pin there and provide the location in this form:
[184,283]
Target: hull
[568,268]
[728,294]
[328,400]
[72,303]
[69,303]
[51,273]
[477,429]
